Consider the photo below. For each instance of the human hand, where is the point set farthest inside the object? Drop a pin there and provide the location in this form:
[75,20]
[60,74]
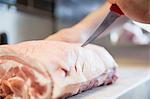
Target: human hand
[69,35]
[138,10]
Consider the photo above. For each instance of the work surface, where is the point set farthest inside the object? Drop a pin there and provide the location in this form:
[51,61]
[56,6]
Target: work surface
[132,82]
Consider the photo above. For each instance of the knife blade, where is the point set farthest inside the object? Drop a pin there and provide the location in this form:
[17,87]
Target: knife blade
[114,13]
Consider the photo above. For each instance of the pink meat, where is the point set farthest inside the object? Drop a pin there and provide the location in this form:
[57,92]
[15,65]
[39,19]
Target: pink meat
[52,69]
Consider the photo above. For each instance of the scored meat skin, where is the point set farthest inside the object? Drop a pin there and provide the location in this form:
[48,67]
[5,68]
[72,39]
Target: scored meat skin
[52,69]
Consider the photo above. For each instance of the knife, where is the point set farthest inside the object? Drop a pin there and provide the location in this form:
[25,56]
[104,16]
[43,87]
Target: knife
[115,12]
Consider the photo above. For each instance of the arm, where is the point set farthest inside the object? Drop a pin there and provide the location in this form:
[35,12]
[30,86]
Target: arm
[137,10]
[81,31]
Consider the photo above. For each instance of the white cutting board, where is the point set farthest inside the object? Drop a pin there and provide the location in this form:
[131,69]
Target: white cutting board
[129,78]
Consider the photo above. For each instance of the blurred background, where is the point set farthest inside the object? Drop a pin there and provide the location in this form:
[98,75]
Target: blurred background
[22,20]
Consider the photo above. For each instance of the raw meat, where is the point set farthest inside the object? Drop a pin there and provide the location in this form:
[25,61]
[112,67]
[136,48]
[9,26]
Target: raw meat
[52,69]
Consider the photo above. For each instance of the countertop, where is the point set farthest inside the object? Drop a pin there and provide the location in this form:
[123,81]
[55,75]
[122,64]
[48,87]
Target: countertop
[133,82]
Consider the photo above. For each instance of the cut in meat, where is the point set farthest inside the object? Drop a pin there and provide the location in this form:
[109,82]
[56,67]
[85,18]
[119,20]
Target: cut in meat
[52,69]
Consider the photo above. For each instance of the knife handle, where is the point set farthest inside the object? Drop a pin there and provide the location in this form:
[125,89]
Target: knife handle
[116,9]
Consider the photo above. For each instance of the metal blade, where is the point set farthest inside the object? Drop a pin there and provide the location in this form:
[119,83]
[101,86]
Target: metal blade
[110,18]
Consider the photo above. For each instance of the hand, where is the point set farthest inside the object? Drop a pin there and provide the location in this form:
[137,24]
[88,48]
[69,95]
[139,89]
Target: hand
[70,35]
[138,10]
